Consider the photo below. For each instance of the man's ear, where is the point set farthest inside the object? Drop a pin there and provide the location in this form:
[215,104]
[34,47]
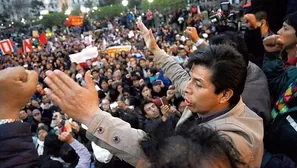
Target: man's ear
[226,95]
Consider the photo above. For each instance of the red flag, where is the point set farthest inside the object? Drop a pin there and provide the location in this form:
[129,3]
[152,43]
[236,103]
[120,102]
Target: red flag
[6,47]
[20,51]
[42,39]
[27,45]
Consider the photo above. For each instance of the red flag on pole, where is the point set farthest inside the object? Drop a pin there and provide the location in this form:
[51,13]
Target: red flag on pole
[42,39]
[27,45]
[6,47]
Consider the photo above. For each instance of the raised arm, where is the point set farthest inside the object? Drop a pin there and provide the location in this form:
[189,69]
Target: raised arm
[169,66]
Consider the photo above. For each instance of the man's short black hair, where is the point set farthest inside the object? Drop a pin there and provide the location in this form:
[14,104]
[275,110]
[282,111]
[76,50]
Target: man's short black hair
[52,145]
[68,154]
[93,71]
[291,19]
[191,146]
[261,15]
[228,68]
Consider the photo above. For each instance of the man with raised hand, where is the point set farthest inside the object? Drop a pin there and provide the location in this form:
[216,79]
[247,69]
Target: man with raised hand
[212,93]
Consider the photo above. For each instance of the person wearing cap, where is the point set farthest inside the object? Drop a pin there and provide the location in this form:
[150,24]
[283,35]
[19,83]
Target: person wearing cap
[182,55]
[280,57]
[36,120]
[159,90]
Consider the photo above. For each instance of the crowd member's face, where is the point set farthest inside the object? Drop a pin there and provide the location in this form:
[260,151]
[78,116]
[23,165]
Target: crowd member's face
[104,85]
[120,89]
[141,82]
[182,53]
[42,134]
[105,105]
[189,43]
[109,82]
[288,34]
[200,94]
[157,88]
[136,83]
[116,76]
[151,64]
[37,116]
[35,103]
[121,104]
[23,115]
[39,87]
[182,106]
[146,93]
[142,63]
[101,71]
[45,99]
[109,75]
[95,75]
[151,111]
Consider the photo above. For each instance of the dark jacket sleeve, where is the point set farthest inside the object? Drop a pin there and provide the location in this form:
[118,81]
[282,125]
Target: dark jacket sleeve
[255,46]
[17,148]
[279,77]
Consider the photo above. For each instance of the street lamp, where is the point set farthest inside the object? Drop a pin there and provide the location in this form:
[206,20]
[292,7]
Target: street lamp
[150,1]
[95,7]
[40,17]
[125,3]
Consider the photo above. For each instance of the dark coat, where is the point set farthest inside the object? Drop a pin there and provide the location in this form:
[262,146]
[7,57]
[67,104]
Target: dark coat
[17,148]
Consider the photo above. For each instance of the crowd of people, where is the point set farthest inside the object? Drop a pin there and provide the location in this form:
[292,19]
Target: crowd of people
[185,96]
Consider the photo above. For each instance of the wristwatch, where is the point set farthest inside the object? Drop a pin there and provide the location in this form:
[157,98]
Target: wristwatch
[6,121]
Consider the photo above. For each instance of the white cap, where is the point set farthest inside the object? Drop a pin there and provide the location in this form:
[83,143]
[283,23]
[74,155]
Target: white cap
[78,76]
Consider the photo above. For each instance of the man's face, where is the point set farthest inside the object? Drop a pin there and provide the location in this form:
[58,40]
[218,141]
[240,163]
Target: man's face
[45,99]
[95,75]
[288,34]
[157,88]
[136,83]
[104,85]
[182,53]
[42,134]
[105,105]
[121,104]
[151,111]
[200,94]
[35,103]
[143,63]
[23,115]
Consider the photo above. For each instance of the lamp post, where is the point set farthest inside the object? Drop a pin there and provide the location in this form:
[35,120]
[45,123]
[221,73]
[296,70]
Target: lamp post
[150,1]
[125,3]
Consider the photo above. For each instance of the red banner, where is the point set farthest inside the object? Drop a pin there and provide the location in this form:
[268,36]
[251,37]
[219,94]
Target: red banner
[6,47]
[27,45]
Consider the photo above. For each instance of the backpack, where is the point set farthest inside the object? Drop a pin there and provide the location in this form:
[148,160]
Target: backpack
[281,133]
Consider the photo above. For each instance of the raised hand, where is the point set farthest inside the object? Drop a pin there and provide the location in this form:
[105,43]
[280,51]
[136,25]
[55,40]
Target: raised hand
[17,85]
[148,37]
[66,137]
[79,103]
[273,43]
[192,32]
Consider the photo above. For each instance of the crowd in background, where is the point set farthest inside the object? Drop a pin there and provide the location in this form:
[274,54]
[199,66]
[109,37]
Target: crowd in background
[135,90]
